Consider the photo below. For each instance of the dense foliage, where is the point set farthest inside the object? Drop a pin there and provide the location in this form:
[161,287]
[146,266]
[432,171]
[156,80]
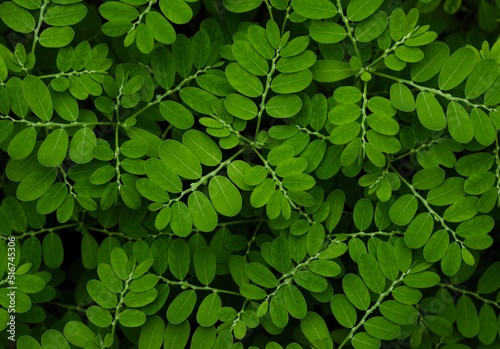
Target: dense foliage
[249,174]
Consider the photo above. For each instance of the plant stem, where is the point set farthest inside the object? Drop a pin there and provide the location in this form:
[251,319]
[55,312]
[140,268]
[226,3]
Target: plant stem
[373,308]
[434,214]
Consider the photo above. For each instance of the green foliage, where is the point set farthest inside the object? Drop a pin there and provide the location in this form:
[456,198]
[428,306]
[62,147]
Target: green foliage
[261,174]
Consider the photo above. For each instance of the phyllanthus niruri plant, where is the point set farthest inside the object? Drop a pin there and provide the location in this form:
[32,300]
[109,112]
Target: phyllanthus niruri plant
[249,174]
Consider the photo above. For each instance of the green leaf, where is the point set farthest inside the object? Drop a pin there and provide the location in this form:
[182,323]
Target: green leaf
[53,149]
[481,78]
[132,318]
[299,181]
[403,210]
[281,254]
[180,158]
[207,311]
[357,10]
[435,56]
[428,178]
[53,338]
[344,311]
[406,295]
[278,311]
[249,58]
[203,147]
[385,256]
[467,318]
[363,214]
[356,291]
[119,262]
[65,105]
[81,145]
[225,197]
[261,275]
[78,333]
[204,261]
[402,255]
[114,10]
[462,210]
[473,164]
[371,28]
[371,273]
[447,193]
[240,7]
[283,106]
[380,327]
[163,68]
[201,48]
[262,193]
[430,113]
[203,338]
[423,279]
[16,17]
[29,283]
[176,11]
[22,144]
[419,231]
[409,54]
[452,260]
[314,9]
[18,103]
[257,36]
[327,32]
[38,97]
[160,28]
[436,246]
[143,283]
[36,184]
[109,278]
[398,313]
[331,71]
[152,333]
[56,37]
[26,342]
[52,199]
[215,84]
[240,106]
[161,174]
[402,98]
[487,330]
[176,335]
[459,123]
[101,295]
[314,328]
[295,46]
[484,131]
[252,292]
[140,299]
[65,14]
[291,82]
[345,133]
[198,99]
[479,183]
[181,307]
[295,302]
[181,221]
[363,340]
[179,258]
[456,68]
[202,212]
[489,281]
[291,166]
[243,81]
